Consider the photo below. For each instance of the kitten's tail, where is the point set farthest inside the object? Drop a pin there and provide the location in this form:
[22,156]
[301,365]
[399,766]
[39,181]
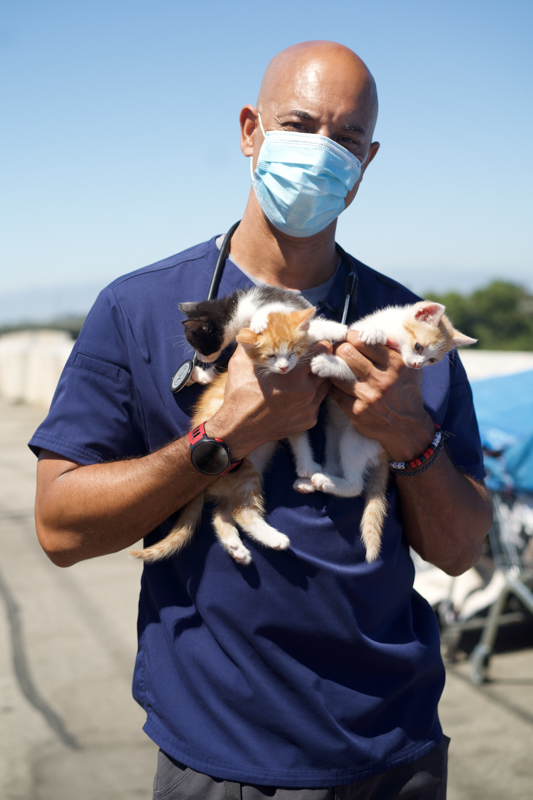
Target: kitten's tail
[375,509]
[178,537]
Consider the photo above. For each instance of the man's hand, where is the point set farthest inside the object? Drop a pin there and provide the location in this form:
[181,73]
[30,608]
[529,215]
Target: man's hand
[385,402]
[266,407]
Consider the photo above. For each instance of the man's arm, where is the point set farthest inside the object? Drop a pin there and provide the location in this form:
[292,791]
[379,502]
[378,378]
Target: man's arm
[87,511]
[446,514]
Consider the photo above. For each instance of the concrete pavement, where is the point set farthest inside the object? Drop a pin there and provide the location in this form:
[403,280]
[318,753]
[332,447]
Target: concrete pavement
[69,729]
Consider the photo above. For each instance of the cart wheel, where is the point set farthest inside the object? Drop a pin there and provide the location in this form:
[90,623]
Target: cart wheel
[479,663]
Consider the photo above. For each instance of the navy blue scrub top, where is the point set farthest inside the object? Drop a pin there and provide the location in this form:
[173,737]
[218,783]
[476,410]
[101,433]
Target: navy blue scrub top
[308,667]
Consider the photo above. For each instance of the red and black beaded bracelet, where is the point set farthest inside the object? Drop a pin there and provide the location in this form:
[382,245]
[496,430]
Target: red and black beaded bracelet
[424,461]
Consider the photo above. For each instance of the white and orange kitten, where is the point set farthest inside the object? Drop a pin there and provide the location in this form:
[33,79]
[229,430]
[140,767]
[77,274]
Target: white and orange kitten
[423,335]
[283,339]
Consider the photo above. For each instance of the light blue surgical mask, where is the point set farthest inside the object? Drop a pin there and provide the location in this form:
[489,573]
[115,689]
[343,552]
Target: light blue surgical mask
[302,179]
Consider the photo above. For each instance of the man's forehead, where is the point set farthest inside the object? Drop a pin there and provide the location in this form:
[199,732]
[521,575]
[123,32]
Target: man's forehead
[311,77]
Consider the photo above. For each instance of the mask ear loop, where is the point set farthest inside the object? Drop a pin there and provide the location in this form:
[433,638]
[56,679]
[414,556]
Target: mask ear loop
[251,157]
[261,123]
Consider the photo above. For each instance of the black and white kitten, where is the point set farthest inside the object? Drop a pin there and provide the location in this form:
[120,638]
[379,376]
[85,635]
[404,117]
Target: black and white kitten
[212,325]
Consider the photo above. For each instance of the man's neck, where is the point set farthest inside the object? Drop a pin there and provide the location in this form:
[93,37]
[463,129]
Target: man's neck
[281,260]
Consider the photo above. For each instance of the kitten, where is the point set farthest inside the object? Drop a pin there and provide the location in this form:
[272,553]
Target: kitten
[423,335]
[212,325]
[238,495]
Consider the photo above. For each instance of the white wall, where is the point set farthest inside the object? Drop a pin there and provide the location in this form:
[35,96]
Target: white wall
[489,363]
[31,363]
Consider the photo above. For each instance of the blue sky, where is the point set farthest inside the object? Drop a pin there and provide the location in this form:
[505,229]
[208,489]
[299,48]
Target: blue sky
[120,133]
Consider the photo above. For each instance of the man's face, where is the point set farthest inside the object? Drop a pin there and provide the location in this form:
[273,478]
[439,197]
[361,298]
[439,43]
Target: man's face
[322,97]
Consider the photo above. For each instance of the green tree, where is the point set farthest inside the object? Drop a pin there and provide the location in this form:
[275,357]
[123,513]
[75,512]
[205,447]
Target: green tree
[499,315]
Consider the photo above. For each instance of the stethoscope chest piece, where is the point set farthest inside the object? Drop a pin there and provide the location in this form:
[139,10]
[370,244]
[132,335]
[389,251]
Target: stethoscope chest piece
[182,375]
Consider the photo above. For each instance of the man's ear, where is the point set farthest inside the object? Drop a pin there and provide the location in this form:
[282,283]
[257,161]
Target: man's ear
[249,120]
[246,337]
[372,153]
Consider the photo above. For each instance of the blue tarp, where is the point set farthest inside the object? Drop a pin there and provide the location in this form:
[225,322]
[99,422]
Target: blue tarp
[504,409]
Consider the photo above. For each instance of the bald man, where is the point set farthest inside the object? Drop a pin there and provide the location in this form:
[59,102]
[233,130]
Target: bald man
[308,673]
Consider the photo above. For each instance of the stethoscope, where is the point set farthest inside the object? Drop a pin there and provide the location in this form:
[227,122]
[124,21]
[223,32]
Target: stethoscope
[183,373]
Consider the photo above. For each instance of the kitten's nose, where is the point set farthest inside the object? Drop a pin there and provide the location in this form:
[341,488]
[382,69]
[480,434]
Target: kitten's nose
[284,369]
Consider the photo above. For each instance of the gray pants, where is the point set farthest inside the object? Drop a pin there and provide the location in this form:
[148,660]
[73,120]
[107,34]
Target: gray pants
[424,779]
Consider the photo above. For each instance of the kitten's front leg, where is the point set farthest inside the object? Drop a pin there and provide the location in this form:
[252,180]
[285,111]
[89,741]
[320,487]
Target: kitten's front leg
[372,335]
[326,330]
[259,321]
[327,366]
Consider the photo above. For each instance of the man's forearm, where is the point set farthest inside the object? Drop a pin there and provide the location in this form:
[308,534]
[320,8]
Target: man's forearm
[446,515]
[88,511]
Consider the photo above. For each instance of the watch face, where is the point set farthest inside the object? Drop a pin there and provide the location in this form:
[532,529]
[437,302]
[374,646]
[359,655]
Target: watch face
[210,457]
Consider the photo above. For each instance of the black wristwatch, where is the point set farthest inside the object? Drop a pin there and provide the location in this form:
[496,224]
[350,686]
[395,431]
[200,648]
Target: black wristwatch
[210,455]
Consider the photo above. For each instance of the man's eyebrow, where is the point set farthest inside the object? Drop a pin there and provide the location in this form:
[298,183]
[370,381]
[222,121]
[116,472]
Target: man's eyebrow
[355,128]
[305,115]
[297,113]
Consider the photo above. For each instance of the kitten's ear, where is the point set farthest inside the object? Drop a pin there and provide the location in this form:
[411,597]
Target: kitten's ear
[194,325]
[461,340]
[429,312]
[303,318]
[247,337]
[186,308]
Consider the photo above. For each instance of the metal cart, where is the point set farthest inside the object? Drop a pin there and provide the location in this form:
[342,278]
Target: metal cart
[512,552]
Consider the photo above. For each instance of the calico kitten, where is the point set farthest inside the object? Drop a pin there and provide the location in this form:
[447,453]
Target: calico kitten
[212,325]
[238,495]
[423,335]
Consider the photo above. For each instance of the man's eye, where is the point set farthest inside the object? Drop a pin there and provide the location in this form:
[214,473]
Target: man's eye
[298,126]
[347,142]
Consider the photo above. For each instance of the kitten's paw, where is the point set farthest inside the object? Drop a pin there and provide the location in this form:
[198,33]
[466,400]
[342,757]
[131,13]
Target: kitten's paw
[280,542]
[259,321]
[303,485]
[340,487]
[203,376]
[373,337]
[322,483]
[323,365]
[240,553]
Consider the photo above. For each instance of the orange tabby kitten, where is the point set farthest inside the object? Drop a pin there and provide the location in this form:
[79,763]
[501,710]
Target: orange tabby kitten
[239,495]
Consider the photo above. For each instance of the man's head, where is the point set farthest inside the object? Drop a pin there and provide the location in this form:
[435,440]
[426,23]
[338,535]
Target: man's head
[319,88]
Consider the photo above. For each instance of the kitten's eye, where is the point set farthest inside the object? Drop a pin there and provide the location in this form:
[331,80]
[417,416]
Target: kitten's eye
[419,348]
[432,360]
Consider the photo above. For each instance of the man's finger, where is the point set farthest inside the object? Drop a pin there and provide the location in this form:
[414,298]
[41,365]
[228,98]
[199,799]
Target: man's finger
[345,400]
[360,365]
[323,390]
